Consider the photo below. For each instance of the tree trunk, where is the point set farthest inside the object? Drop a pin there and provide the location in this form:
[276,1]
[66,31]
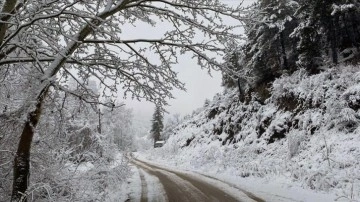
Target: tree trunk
[8,7]
[283,51]
[21,167]
[241,91]
[356,28]
[99,126]
[333,39]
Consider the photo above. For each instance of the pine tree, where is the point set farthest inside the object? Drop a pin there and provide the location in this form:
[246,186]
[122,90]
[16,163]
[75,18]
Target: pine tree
[309,47]
[329,32]
[232,63]
[322,17]
[346,22]
[269,51]
[157,123]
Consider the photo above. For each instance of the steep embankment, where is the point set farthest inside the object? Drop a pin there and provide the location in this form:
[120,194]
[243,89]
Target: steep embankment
[307,132]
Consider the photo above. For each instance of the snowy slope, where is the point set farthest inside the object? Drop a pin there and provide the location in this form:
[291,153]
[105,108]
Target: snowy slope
[306,134]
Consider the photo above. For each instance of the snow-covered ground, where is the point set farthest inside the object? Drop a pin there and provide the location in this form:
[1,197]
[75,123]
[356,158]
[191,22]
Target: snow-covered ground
[102,181]
[302,144]
[143,185]
[278,190]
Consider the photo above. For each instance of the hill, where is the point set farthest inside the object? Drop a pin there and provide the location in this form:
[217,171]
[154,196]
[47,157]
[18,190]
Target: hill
[306,133]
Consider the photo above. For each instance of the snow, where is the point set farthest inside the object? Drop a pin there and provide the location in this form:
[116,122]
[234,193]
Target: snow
[274,190]
[132,189]
[303,151]
[102,182]
[155,190]
[160,142]
[157,193]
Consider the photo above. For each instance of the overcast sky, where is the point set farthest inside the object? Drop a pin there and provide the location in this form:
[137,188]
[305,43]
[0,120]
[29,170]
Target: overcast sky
[199,84]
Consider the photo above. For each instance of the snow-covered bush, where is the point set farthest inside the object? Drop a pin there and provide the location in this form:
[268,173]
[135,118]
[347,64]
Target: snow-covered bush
[295,139]
[70,160]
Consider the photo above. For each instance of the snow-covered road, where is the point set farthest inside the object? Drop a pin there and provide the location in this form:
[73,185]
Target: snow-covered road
[162,184]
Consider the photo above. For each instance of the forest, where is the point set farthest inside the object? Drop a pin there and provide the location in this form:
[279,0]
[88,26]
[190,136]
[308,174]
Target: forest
[290,72]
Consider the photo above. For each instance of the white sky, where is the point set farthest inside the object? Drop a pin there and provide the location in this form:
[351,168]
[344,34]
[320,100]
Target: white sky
[199,84]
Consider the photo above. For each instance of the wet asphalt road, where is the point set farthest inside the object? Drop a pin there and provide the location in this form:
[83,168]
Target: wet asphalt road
[183,187]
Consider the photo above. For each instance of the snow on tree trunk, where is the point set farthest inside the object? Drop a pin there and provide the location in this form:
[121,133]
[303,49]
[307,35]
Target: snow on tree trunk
[22,158]
[8,7]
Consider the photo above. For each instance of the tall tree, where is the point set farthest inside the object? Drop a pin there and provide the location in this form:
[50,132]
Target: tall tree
[232,62]
[157,124]
[267,53]
[328,32]
[55,40]
[309,48]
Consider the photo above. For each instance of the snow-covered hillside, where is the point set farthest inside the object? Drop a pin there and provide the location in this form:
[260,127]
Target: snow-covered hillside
[306,133]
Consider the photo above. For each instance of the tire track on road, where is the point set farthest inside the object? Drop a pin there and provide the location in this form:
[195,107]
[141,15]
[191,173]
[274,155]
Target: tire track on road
[144,189]
[175,191]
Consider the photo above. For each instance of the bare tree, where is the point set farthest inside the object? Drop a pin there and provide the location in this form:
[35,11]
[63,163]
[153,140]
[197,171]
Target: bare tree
[53,40]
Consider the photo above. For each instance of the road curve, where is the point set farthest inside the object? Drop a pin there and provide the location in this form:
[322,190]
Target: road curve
[182,187]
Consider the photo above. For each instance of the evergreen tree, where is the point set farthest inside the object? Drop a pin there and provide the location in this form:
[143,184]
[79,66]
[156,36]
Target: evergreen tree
[269,50]
[329,32]
[309,47]
[232,63]
[316,33]
[284,35]
[345,32]
[157,123]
